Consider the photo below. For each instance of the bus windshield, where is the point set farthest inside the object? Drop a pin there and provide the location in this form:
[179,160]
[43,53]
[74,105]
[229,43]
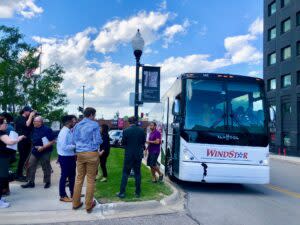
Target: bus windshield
[223,106]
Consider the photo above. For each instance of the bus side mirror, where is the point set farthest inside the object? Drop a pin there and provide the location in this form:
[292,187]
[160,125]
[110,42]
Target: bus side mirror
[176,107]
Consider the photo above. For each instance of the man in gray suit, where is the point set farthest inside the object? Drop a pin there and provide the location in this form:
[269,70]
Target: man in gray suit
[133,140]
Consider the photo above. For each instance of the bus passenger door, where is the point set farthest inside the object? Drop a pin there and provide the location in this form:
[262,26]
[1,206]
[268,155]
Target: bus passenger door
[176,119]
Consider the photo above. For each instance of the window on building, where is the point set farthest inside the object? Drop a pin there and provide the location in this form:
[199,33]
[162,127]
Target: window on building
[286,53]
[298,48]
[286,26]
[286,139]
[272,8]
[272,84]
[286,80]
[286,109]
[272,58]
[298,18]
[285,2]
[298,77]
[272,33]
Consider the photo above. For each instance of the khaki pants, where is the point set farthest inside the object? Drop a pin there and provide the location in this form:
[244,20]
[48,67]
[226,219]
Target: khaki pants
[87,164]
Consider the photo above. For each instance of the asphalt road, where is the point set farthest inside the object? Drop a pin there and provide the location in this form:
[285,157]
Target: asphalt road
[220,204]
[274,204]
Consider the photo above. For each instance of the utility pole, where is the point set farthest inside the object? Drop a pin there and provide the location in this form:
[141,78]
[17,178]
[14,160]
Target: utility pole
[83,97]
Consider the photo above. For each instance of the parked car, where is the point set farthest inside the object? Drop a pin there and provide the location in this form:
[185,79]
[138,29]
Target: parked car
[115,137]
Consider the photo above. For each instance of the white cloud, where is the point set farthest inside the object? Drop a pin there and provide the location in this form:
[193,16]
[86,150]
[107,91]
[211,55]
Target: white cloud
[174,66]
[109,84]
[257,27]
[120,31]
[26,8]
[171,31]
[255,73]
[68,52]
[240,49]
[163,5]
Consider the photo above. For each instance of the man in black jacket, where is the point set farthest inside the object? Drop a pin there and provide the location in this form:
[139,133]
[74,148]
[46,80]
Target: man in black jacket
[134,139]
[24,126]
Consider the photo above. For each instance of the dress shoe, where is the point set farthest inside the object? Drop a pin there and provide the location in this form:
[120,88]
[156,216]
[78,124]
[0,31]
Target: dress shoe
[66,199]
[28,185]
[47,185]
[121,195]
[93,206]
[79,206]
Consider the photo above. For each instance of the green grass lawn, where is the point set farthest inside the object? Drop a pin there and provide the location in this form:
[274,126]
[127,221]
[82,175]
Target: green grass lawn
[106,191]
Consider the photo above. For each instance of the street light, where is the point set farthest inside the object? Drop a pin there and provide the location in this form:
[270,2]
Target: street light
[137,45]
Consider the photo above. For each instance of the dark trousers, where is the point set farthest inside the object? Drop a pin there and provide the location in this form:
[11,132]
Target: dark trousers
[2,186]
[135,164]
[103,160]
[4,167]
[24,149]
[44,159]
[68,170]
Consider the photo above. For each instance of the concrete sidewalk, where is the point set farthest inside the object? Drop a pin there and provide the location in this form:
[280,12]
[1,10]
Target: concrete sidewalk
[290,159]
[39,205]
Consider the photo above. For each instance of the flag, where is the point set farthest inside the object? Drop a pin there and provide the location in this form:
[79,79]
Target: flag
[29,72]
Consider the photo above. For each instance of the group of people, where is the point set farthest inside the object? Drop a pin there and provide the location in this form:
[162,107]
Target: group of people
[81,147]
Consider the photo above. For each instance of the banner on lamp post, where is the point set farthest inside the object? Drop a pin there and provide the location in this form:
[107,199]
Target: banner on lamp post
[151,84]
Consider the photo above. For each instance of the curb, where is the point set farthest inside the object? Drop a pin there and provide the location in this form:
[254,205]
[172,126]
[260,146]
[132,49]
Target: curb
[122,207]
[169,204]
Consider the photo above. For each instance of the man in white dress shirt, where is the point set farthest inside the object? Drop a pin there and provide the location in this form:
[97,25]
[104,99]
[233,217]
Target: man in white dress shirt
[66,157]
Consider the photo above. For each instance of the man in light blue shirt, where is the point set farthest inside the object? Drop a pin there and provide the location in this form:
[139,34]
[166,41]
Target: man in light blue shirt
[87,141]
[66,157]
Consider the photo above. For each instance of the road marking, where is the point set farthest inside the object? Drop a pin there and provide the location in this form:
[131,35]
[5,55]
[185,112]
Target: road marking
[284,191]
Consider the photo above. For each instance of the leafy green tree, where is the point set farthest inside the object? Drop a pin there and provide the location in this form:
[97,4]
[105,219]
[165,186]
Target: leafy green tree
[44,92]
[12,47]
[19,85]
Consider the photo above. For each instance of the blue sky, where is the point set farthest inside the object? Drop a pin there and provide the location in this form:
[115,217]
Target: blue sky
[91,39]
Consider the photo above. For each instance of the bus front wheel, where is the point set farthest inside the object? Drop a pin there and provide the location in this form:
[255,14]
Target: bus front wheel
[169,167]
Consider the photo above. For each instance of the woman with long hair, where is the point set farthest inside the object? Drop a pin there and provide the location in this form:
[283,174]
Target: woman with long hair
[104,152]
[5,154]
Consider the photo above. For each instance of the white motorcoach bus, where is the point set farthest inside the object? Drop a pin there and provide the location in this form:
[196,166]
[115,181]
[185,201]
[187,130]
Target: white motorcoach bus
[214,129]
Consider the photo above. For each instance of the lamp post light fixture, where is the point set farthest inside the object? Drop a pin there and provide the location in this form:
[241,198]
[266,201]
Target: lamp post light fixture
[137,45]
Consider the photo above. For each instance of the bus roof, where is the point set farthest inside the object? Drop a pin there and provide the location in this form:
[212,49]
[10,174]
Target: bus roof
[218,76]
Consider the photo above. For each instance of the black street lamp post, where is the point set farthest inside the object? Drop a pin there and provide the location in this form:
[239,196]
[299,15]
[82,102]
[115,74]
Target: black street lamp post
[137,45]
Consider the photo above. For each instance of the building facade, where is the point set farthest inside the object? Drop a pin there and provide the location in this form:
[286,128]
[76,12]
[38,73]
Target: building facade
[282,72]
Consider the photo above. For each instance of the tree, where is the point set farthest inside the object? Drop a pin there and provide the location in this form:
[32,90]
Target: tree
[44,92]
[19,85]
[12,47]
[56,115]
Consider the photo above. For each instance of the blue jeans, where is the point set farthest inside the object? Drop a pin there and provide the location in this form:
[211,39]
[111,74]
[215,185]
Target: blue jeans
[68,170]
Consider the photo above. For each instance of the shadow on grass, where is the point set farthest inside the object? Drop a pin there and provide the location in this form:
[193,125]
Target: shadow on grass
[106,191]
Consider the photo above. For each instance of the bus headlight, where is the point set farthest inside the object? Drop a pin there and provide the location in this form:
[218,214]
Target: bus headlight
[187,155]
